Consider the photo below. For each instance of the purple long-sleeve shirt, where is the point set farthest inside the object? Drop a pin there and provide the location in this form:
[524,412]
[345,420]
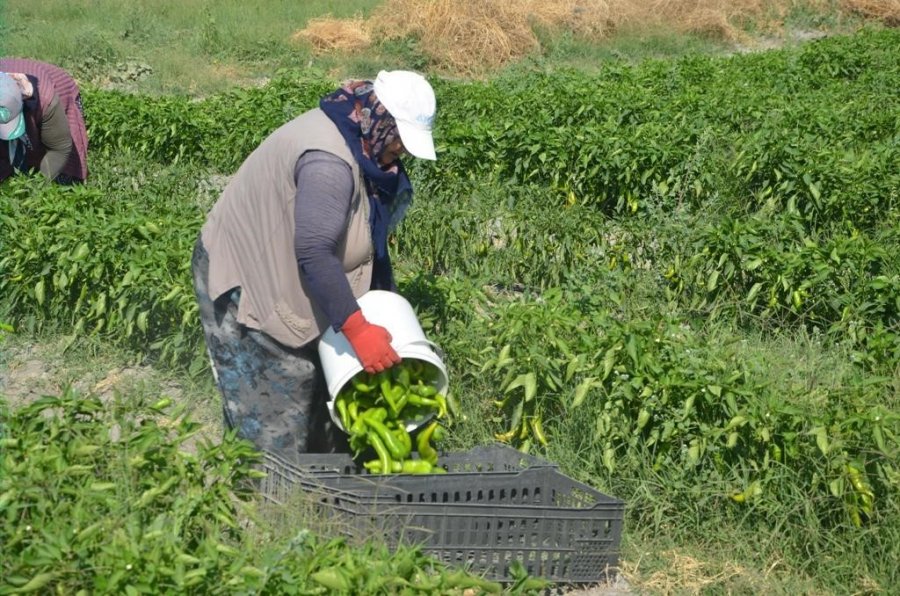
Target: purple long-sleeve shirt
[321,208]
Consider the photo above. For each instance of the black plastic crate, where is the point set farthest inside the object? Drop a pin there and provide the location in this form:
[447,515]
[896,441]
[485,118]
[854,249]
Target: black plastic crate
[516,509]
[485,458]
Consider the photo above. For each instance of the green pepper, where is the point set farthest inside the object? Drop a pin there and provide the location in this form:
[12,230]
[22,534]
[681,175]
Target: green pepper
[387,391]
[403,436]
[358,433]
[394,398]
[377,414]
[358,427]
[380,431]
[343,413]
[442,405]
[403,376]
[415,412]
[353,411]
[423,390]
[415,466]
[423,443]
[384,457]
[362,386]
[358,443]
[438,402]
[415,366]
[417,400]
[402,401]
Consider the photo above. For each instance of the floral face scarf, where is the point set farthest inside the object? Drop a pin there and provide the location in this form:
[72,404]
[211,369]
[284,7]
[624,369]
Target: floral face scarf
[368,129]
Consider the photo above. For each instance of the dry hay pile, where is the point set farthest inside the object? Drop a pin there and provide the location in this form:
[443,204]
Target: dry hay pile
[475,37]
[717,19]
[683,573]
[886,11]
[327,34]
[462,36]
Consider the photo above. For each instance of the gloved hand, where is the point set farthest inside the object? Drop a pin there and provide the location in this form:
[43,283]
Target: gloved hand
[372,343]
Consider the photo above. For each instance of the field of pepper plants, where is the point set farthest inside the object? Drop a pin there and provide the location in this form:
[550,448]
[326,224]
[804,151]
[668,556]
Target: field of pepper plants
[674,278]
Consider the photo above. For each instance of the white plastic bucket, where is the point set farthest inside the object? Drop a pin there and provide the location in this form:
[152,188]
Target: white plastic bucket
[393,312]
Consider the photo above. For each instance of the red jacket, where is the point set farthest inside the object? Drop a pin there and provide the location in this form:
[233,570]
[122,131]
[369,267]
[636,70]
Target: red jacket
[49,82]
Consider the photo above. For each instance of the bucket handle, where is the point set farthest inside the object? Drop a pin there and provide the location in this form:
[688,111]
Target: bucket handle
[437,349]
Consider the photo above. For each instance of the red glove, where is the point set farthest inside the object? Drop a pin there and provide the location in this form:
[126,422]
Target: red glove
[371,343]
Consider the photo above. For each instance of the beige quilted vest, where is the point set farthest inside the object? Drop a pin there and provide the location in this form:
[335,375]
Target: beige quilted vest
[249,234]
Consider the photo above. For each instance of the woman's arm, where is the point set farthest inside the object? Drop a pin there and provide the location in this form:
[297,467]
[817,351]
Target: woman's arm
[56,138]
[322,204]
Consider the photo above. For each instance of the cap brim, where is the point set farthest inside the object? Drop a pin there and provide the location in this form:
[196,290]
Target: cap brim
[416,140]
[15,127]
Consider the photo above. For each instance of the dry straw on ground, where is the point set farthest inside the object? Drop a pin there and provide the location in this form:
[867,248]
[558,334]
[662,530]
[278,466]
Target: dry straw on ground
[326,34]
[886,11]
[686,574]
[475,37]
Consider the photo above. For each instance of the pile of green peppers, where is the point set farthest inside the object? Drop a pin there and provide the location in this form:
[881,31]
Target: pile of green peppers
[375,408]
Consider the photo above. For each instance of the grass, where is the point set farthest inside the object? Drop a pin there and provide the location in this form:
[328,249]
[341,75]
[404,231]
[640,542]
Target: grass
[711,551]
[631,46]
[708,548]
[200,47]
[671,542]
[45,364]
[193,47]
[683,547]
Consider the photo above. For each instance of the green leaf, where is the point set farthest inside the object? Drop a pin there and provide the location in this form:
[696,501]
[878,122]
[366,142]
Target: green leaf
[36,583]
[631,349]
[836,487]
[142,321]
[879,438]
[526,380]
[102,486]
[821,435]
[609,361]
[572,368]
[582,390]
[736,422]
[503,359]
[609,459]
[39,292]
[81,252]
[754,290]
[712,281]
[814,190]
[753,264]
[693,453]
[516,418]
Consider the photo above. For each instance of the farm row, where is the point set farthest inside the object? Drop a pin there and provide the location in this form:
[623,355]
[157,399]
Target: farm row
[607,261]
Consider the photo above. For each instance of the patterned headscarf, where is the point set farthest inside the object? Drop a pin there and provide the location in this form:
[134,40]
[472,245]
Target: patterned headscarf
[368,128]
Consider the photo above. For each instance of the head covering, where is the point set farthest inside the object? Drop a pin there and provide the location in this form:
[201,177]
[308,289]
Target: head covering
[368,129]
[410,100]
[12,122]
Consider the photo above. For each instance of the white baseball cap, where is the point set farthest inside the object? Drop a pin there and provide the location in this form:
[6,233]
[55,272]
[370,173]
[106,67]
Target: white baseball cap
[12,122]
[410,100]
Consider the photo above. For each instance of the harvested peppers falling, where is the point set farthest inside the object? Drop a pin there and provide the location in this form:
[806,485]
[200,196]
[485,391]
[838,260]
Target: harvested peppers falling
[375,409]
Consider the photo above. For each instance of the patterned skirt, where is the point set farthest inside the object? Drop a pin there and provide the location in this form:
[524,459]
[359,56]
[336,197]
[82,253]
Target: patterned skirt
[274,395]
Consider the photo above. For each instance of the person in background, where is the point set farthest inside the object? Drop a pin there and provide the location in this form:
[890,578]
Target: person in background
[41,122]
[298,234]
